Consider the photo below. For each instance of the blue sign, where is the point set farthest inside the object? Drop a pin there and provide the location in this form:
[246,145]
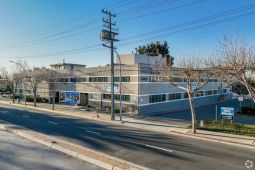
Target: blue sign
[227,111]
[70,98]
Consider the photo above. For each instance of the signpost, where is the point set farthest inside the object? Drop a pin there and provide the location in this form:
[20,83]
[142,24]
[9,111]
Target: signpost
[227,113]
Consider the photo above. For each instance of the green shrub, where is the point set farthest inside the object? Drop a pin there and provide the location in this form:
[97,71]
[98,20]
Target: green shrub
[38,99]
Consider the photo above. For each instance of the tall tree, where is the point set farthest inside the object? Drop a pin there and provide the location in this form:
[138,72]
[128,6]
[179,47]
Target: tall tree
[156,48]
[196,76]
[235,62]
[33,78]
[53,77]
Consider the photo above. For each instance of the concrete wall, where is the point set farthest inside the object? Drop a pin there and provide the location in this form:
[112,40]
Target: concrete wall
[130,59]
[170,106]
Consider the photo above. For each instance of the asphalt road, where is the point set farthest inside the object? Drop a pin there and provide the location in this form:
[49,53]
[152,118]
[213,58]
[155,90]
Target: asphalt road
[18,153]
[151,149]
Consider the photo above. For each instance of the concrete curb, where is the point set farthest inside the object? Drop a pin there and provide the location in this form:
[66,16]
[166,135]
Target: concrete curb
[48,141]
[217,140]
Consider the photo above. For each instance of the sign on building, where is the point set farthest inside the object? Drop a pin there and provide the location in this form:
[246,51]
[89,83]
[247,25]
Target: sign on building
[70,98]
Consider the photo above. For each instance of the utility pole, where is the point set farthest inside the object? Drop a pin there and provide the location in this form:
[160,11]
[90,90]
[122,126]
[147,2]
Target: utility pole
[108,35]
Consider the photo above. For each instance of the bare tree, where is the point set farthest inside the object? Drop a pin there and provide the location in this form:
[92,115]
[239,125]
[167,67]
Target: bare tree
[16,78]
[235,62]
[7,82]
[33,78]
[53,77]
[4,79]
[196,78]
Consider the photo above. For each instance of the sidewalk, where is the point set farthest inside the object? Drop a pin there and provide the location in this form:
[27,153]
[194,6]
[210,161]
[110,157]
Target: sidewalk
[175,127]
[19,153]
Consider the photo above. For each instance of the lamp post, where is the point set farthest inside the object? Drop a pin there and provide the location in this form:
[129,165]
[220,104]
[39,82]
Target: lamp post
[120,86]
[23,83]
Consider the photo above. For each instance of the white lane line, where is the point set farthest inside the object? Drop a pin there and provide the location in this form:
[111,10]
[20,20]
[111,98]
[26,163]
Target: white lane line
[137,143]
[155,147]
[25,116]
[52,122]
[93,132]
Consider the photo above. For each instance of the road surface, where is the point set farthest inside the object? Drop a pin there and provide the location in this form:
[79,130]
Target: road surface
[150,149]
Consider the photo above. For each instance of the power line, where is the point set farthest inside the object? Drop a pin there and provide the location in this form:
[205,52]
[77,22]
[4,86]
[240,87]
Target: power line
[72,51]
[162,10]
[48,38]
[204,19]
[194,28]
[75,19]
[183,25]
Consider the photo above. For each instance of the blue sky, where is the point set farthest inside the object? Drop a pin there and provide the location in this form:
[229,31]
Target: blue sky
[30,29]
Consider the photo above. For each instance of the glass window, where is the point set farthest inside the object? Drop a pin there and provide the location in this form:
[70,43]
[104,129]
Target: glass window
[200,93]
[210,92]
[186,95]
[98,79]
[157,98]
[163,97]
[178,96]
[215,91]
[107,96]
[123,79]
[171,96]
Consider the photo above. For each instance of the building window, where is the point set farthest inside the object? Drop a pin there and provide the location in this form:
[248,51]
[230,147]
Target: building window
[63,80]
[200,93]
[90,96]
[123,79]
[82,79]
[74,80]
[174,96]
[117,97]
[157,98]
[215,91]
[158,79]
[186,95]
[126,98]
[210,92]
[98,79]
[178,96]
[144,78]
[107,96]
[171,96]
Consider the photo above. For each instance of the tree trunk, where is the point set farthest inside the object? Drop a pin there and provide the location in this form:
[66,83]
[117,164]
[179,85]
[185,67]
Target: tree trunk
[34,97]
[13,92]
[193,112]
[53,99]
[251,93]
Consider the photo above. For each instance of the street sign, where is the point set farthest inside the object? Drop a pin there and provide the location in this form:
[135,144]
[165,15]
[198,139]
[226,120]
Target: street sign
[227,111]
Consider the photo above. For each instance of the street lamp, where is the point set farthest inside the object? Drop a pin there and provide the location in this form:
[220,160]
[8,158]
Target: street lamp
[23,82]
[120,86]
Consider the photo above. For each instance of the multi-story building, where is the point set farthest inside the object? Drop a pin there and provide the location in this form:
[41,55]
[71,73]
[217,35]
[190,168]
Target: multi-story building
[143,91]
